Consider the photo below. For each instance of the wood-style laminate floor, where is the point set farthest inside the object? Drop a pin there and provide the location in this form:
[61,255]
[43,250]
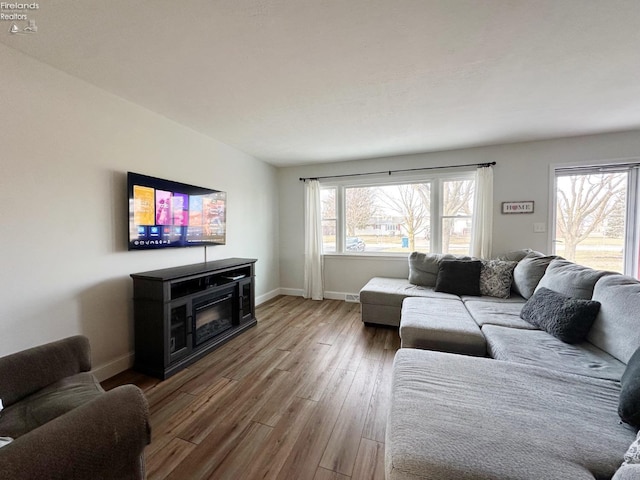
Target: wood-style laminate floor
[303,395]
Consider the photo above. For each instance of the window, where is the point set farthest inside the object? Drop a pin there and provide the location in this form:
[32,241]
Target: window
[429,214]
[457,216]
[329,219]
[595,218]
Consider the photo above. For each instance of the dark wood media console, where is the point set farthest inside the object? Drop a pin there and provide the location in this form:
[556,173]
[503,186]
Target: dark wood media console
[183,313]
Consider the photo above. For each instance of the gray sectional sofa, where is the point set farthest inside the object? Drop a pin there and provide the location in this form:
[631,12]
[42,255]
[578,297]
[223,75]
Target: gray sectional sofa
[481,393]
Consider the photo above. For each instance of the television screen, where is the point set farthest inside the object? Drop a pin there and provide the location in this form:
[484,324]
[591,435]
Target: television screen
[164,214]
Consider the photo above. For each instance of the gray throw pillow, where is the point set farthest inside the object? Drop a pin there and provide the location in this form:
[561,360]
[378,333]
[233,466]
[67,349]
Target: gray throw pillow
[496,277]
[568,319]
[460,277]
[571,279]
[629,402]
[627,472]
[632,457]
[423,267]
[528,273]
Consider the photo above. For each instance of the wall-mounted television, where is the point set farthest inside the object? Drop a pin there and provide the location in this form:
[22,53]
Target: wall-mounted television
[163,213]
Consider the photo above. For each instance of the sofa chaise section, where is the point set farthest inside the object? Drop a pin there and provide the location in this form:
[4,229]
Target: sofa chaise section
[455,417]
[381,299]
[440,324]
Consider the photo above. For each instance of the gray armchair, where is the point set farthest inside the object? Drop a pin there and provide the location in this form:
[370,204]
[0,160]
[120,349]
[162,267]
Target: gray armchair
[64,425]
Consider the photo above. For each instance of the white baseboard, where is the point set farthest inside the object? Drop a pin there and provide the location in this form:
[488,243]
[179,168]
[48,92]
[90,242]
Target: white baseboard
[294,292]
[347,297]
[334,295]
[110,369]
[268,296]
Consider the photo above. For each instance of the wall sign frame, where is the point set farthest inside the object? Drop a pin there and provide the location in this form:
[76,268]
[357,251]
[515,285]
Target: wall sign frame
[517,207]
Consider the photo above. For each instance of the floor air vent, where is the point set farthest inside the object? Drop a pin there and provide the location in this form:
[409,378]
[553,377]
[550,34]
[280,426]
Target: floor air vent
[352,297]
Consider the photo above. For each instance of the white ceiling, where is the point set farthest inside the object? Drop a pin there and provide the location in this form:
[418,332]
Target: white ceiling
[300,81]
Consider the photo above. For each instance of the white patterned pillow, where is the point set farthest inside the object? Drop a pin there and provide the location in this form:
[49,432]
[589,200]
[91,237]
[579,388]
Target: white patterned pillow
[496,277]
[633,454]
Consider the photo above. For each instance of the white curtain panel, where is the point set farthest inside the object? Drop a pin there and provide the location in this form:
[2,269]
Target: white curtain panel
[483,213]
[313,278]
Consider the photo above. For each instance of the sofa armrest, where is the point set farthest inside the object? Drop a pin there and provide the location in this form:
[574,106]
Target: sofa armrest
[28,371]
[104,439]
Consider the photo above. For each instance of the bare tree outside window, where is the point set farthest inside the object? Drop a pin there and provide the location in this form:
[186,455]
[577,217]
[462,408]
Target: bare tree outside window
[360,209]
[456,215]
[590,213]
[411,202]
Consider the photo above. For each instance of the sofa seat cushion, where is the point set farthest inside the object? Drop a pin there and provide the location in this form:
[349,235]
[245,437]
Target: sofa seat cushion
[459,417]
[392,291]
[48,403]
[536,347]
[498,313]
[443,325]
[514,298]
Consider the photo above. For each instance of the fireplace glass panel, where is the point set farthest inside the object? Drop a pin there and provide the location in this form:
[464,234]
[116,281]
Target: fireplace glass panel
[213,317]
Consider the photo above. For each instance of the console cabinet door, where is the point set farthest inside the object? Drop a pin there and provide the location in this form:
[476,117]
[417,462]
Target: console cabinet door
[247,303]
[179,319]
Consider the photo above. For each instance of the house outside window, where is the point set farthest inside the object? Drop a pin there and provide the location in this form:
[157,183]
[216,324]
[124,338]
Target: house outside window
[427,214]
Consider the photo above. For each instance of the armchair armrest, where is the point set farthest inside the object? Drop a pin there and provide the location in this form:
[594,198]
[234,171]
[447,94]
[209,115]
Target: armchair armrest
[104,439]
[28,371]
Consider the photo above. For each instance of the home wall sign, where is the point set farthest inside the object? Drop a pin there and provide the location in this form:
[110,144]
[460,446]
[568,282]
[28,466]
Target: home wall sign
[517,207]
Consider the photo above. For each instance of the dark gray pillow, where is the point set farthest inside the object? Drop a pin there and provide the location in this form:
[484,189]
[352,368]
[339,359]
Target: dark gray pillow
[568,319]
[528,273]
[460,277]
[423,267]
[629,403]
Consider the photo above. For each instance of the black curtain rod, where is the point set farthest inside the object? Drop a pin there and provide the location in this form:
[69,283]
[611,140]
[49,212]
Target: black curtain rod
[304,179]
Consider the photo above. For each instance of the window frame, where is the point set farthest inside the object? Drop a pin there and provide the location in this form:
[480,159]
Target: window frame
[631,254]
[436,180]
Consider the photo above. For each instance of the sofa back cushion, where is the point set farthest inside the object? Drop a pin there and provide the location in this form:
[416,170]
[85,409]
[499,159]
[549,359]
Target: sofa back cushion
[616,327]
[26,372]
[571,279]
[517,255]
[423,267]
[528,273]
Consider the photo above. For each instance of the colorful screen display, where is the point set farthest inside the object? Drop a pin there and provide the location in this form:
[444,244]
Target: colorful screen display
[163,213]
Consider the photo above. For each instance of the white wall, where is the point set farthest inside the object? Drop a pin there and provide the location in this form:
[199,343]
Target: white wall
[65,149]
[522,173]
